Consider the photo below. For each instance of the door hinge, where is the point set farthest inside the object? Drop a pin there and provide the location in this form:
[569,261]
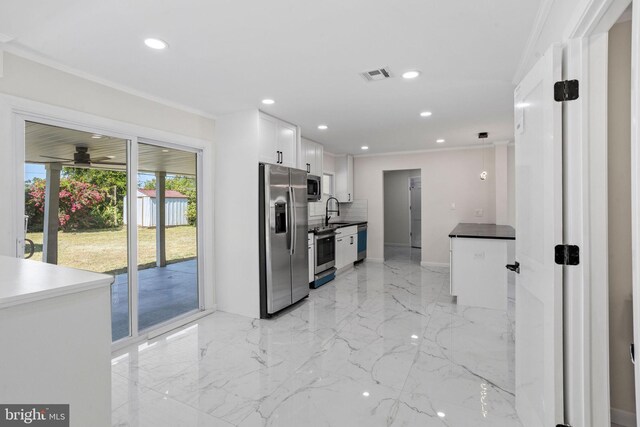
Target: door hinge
[567,255]
[566,90]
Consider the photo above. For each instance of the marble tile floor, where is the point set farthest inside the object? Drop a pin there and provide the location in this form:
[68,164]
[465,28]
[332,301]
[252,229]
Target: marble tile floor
[382,345]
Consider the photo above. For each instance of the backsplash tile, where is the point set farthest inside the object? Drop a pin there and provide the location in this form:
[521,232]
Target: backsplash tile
[354,211]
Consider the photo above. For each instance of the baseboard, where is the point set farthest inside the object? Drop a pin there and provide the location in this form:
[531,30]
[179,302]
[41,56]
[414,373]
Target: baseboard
[623,418]
[344,269]
[434,264]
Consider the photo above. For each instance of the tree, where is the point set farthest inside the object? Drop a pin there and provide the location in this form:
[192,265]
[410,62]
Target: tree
[77,203]
[112,183]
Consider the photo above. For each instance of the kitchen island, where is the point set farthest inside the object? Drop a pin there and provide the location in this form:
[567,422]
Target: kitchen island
[55,324]
[478,256]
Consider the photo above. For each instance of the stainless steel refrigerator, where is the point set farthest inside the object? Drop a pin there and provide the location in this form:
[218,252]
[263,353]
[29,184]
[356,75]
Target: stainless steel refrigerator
[284,275]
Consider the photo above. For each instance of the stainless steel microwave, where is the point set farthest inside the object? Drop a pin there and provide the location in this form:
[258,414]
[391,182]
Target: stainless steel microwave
[314,188]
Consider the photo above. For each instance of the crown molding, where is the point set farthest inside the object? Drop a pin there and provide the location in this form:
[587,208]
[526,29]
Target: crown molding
[37,58]
[428,150]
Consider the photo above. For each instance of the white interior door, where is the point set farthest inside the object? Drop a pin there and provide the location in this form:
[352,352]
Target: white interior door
[538,140]
[415,209]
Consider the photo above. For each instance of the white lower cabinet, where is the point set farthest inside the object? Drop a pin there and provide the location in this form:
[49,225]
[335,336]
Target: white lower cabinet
[339,252]
[312,256]
[346,246]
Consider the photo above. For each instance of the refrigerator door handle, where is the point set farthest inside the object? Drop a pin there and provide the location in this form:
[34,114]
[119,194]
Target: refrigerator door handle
[294,219]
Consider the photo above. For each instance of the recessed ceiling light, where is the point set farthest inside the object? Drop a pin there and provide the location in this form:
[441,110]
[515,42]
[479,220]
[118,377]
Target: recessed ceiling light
[96,136]
[365,394]
[414,337]
[425,114]
[441,414]
[156,43]
[268,101]
[165,151]
[323,127]
[440,141]
[411,74]
[364,147]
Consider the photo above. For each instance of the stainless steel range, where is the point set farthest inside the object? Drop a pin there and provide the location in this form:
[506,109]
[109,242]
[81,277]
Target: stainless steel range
[325,259]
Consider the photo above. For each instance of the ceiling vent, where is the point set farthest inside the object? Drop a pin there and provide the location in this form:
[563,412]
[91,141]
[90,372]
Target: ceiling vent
[378,74]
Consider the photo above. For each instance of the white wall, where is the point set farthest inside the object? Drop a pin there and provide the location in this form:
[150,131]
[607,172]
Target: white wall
[236,216]
[397,225]
[448,176]
[501,182]
[31,80]
[44,91]
[619,174]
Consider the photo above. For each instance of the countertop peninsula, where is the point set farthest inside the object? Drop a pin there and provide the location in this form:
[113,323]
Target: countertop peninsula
[483,231]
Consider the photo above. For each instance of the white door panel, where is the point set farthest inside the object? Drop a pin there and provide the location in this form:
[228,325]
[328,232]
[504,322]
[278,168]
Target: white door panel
[538,139]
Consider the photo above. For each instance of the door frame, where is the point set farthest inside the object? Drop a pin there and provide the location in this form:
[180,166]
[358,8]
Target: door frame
[586,321]
[15,111]
[410,212]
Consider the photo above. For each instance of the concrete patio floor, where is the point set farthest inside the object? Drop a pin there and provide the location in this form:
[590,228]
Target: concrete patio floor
[163,293]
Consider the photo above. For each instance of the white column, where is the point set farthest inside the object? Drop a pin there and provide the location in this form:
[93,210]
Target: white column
[51,205]
[161,253]
[502,176]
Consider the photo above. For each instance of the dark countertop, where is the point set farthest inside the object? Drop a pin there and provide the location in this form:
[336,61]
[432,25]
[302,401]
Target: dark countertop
[484,231]
[337,225]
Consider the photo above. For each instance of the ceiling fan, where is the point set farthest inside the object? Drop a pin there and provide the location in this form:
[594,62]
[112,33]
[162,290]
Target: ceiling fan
[82,157]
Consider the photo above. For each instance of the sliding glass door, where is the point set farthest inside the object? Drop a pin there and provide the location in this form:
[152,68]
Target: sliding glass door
[167,220]
[83,210]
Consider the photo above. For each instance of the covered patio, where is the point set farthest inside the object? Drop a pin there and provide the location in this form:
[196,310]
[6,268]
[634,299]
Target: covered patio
[164,293]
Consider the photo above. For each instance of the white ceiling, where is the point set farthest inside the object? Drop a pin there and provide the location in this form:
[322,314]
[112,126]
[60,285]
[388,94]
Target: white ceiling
[227,55]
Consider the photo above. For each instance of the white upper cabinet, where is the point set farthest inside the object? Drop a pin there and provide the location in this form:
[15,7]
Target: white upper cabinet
[344,178]
[277,141]
[268,139]
[287,142]
[311,157]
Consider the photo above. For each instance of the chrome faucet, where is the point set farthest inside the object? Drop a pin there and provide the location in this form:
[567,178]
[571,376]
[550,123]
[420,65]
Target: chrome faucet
[326,213]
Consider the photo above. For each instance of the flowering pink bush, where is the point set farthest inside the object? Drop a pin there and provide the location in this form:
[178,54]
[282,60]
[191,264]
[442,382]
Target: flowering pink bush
[77,200]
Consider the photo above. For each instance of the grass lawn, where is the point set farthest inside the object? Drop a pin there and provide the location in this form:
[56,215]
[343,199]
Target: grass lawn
[105,251]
